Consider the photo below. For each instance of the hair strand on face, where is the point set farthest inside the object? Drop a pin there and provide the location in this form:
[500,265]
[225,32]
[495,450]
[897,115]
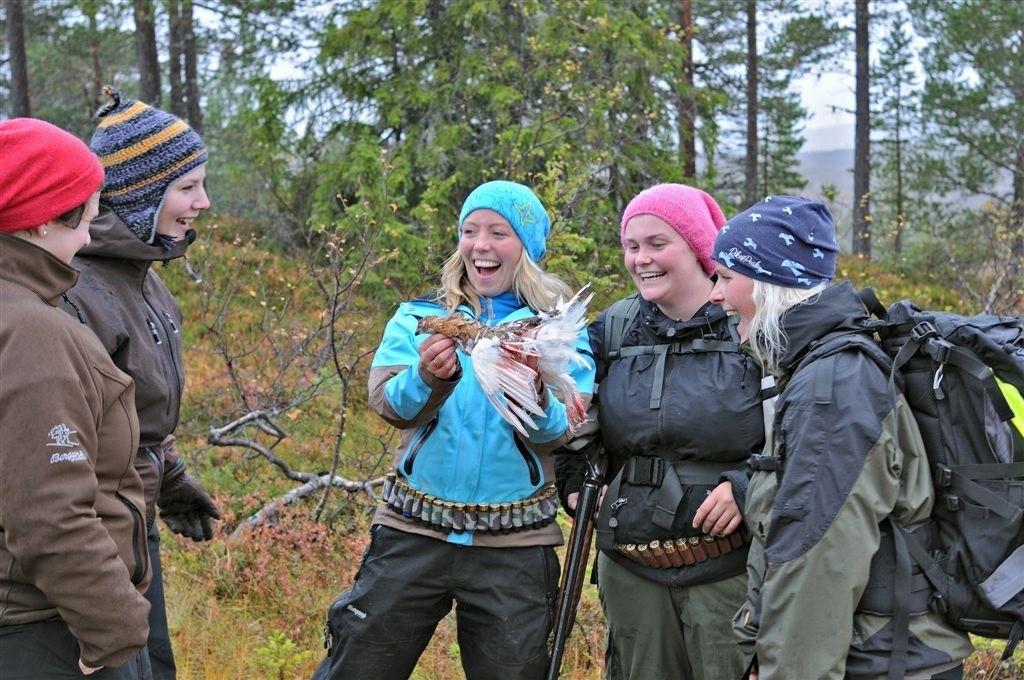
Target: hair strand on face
[767,337]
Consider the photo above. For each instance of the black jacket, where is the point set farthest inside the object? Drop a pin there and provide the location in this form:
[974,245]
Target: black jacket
[709,421]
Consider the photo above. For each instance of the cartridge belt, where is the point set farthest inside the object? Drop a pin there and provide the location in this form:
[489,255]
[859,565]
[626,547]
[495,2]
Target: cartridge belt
[681,552]
[496,518]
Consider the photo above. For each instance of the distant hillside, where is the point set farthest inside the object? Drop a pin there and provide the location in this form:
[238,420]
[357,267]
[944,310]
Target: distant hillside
[834,166]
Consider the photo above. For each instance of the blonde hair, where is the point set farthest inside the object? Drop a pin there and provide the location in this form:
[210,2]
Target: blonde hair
[530,283]
[771,301]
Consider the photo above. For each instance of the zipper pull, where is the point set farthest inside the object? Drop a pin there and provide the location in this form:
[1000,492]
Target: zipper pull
[152,329]
[174,326]
[618,503]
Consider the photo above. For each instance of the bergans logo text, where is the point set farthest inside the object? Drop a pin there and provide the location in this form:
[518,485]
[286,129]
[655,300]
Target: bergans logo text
[68,457]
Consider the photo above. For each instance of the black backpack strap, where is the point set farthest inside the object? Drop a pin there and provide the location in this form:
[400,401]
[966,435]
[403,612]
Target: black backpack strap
[870,300]
[617,322]
[901,604]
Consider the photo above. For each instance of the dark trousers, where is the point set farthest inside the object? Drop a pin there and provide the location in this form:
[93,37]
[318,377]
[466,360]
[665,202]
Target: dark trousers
[161,657]
[47,649]
[407,584]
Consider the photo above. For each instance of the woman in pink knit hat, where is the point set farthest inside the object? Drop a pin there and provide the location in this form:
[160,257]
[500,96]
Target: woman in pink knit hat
[679,412]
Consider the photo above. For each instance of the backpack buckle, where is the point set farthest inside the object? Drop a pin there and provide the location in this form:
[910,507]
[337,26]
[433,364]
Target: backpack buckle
[952,502]
[943,476]
[922,331]
[937,603]
[645,471]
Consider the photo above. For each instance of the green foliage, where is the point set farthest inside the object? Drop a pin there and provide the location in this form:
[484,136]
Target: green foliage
[972,157]
[896,116]
[281,657]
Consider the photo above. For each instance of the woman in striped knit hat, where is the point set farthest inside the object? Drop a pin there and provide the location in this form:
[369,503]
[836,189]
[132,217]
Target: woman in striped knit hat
[155,167]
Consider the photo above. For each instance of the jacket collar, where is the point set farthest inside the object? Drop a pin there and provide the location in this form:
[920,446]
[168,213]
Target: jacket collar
[836,309]
[112,238]
[701,323]
[28,265]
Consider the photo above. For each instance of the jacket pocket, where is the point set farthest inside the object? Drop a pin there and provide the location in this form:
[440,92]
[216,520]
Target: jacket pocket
[417,443]
[139,548]
[531,461]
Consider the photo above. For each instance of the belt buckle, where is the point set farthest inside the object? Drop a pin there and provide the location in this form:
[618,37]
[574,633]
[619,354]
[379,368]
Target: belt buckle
[646,471]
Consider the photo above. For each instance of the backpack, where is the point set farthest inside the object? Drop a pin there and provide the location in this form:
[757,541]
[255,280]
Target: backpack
[963,378]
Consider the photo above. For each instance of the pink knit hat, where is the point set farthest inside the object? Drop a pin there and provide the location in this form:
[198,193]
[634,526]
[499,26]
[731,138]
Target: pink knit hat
[691,212]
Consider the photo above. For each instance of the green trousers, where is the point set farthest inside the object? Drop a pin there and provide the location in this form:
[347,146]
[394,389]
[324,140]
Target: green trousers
[659,632]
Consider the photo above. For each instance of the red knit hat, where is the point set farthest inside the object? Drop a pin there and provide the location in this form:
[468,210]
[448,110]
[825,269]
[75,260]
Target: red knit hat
[44,172]
[691,212]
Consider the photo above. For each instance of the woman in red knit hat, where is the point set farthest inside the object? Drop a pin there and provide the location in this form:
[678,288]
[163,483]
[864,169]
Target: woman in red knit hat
[679,412]
[73,563]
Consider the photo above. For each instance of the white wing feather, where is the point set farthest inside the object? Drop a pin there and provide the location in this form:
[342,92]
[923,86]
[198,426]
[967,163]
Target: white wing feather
[507,383]
[555,341]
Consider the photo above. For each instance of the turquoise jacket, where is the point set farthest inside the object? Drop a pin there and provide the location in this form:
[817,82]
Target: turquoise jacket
[455,445]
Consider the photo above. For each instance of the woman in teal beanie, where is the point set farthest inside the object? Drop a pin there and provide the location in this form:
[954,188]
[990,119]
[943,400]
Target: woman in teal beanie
[467,515]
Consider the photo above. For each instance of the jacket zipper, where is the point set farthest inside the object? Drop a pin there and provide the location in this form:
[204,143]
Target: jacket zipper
[417,444]
[531,464]
[137,537]
[174,382]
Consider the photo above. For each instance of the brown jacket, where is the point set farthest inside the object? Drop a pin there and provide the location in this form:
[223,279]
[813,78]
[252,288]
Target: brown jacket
[123,301]
[72,534]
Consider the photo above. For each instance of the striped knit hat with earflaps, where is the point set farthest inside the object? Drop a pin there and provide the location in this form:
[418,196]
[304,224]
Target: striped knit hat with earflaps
[143,150]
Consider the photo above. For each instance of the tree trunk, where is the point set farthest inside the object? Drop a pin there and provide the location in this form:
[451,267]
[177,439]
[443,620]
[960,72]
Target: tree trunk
[686,104]
[145,47]
[862,138]
[901,218]
[194,111]
[174,50]
[750,185]
[21,106]
[96,91]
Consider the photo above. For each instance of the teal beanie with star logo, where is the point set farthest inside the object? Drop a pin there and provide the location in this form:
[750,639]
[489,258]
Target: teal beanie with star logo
[517,204]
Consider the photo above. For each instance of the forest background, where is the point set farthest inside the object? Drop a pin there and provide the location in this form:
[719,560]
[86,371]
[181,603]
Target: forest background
[343,137]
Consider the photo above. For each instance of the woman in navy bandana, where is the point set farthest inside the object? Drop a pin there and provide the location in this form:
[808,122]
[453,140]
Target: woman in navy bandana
[843,459]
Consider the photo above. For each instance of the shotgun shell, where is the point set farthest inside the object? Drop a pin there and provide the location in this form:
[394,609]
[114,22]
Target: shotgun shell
[674,558]
[642,551]
[425,506]
[683,548]
[724,546]
[472,517]
[517,515]
[697,548]
[658,553]
[459,517]
[711,546]
[447,515]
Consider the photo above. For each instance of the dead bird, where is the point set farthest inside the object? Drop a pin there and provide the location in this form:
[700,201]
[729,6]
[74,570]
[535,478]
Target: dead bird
[502,355]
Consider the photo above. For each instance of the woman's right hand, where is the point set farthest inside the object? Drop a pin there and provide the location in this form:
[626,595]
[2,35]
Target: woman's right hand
[438,358]
[574,498]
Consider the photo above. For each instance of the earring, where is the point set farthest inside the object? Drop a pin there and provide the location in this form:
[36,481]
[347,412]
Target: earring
[44,232]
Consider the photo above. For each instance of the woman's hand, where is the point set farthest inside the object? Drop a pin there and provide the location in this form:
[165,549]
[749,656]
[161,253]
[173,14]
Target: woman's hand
[718,515]
[438,358]
[88,670]
[573,499]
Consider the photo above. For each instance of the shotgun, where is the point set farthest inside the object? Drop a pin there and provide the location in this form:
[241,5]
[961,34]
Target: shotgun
[577,553]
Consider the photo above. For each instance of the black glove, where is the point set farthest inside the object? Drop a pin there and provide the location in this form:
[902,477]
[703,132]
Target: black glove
[184,504]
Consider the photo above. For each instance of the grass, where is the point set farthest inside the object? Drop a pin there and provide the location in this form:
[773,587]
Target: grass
[254,607]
